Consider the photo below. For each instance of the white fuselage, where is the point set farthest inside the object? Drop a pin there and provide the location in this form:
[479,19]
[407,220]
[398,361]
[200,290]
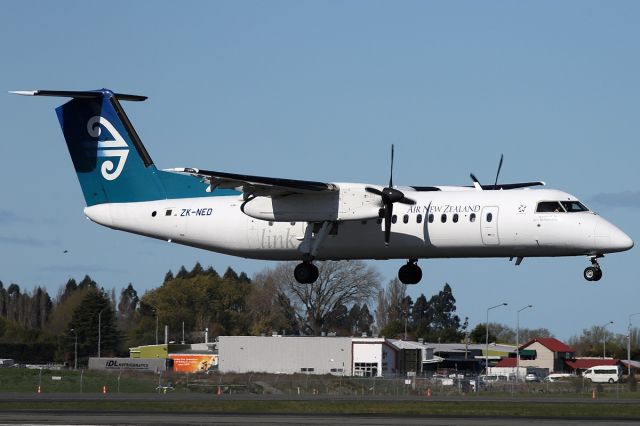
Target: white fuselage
[466,223]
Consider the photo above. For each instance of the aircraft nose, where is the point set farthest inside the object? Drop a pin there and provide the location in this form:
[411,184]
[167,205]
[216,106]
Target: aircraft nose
[610,238]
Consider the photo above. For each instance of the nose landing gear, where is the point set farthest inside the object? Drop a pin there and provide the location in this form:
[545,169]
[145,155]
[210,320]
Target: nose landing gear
[410,273]
[593,272]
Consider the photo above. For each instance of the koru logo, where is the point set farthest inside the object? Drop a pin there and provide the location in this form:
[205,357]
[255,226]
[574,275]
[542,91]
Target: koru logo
[113,148]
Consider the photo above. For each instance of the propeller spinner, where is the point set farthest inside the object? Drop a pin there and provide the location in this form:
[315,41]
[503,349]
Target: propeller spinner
[389,196]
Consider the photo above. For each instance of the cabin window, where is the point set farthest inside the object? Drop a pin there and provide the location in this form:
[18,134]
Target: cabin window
[419,218]
[270,223]
[574,206]
[472,217]
[431,218]
[168,212]
[455,218]
[153,214]
[394,218]
[405,218]
[489,217]
[549,207]
[292,223]
[443,218]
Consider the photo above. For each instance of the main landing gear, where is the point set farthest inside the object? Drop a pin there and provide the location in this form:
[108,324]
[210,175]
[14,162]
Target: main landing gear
[306,273]
[410,273]
[593,272]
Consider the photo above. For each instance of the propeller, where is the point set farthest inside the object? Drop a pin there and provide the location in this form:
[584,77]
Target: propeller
[389,196]
[498,174]
[476,182]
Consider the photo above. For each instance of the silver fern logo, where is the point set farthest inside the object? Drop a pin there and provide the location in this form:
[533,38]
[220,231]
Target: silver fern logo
[110,148]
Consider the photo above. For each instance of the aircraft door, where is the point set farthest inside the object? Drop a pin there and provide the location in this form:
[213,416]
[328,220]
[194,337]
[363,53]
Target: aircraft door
[489,225]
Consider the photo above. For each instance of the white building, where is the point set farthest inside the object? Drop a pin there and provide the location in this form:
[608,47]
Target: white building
[347,356]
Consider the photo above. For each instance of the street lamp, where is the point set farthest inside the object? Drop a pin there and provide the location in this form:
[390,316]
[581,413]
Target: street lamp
[486,355]
[518,341]
[604,339]
[75,350]
[629,344]
[99,331]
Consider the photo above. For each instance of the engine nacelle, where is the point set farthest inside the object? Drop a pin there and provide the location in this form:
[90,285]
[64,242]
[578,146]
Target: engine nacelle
[349,202]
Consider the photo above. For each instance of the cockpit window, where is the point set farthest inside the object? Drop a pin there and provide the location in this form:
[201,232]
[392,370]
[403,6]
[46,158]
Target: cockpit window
[549,207]
[574,206]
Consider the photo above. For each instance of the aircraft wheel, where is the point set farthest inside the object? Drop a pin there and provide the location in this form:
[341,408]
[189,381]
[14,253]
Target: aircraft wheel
[306,273]
[410,274]
[610,380]
[590,273]
[598,274]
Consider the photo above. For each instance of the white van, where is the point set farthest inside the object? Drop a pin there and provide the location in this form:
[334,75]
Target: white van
[602,374]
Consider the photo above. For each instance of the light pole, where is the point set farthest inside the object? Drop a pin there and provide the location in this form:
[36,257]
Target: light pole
[75,350]
[518,341]
[486,354]
[629,344]
[99,331]
[155,310]
[604,338]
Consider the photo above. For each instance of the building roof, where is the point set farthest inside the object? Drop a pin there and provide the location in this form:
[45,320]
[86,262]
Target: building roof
[584,363]
[507,362]
[550,343]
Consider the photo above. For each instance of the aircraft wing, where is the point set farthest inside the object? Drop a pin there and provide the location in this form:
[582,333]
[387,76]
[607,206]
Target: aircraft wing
[254,186]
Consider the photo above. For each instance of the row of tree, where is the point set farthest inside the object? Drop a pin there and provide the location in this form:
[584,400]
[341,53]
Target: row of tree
[233,304]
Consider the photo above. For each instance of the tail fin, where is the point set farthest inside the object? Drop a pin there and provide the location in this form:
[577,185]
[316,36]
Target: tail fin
[111,163]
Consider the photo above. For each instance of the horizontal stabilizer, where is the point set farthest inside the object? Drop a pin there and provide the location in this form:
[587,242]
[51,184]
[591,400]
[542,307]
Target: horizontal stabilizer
[82,94]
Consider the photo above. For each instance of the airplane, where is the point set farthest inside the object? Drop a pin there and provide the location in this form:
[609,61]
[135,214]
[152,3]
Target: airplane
[297,220]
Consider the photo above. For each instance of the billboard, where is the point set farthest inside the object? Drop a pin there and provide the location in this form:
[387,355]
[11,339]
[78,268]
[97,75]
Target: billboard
[140,364]
[193,363]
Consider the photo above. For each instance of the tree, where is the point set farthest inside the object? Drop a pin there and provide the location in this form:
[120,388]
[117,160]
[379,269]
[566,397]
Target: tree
[339,283]
[94,320]
[365,320]
[269,308]
[128,305]
[478,334]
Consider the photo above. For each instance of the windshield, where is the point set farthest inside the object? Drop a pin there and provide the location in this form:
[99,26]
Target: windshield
[560,207]
[574,206]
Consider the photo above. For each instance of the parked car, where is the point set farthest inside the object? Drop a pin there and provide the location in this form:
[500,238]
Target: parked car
[531,377]
[602,374]
[558,377]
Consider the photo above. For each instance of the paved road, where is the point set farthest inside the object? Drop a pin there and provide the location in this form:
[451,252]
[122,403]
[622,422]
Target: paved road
[161,419]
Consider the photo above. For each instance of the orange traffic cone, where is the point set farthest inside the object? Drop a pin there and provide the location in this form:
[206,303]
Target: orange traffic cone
[104,390]
[593,394]
[429,393]
[219,392]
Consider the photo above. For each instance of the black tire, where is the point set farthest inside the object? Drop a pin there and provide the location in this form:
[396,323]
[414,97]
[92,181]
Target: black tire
[610,381]
[410,274]
[590,273]
[598,274]
[306,273]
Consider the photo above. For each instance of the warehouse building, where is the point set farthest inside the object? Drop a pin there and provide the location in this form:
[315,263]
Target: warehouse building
[349,356]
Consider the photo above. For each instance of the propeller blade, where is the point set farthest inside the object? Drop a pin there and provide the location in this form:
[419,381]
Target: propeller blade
[388,213]
[391,174]
[476,182]
[408,201]
[498,174]
[374,191]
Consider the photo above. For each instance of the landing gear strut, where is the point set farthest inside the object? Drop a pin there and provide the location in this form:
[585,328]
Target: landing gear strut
[410,273]
[593,272]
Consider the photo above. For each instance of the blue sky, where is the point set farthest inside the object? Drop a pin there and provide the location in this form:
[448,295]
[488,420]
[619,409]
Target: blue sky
[319,91]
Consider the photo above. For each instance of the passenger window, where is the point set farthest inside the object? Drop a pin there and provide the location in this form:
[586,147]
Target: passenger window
[405,218]
[168,212]
[472,217]
[455,218]
[431,218]
[489,217]
[419,218]
[549,207]
[394,218]
[443,218]
[153,214]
